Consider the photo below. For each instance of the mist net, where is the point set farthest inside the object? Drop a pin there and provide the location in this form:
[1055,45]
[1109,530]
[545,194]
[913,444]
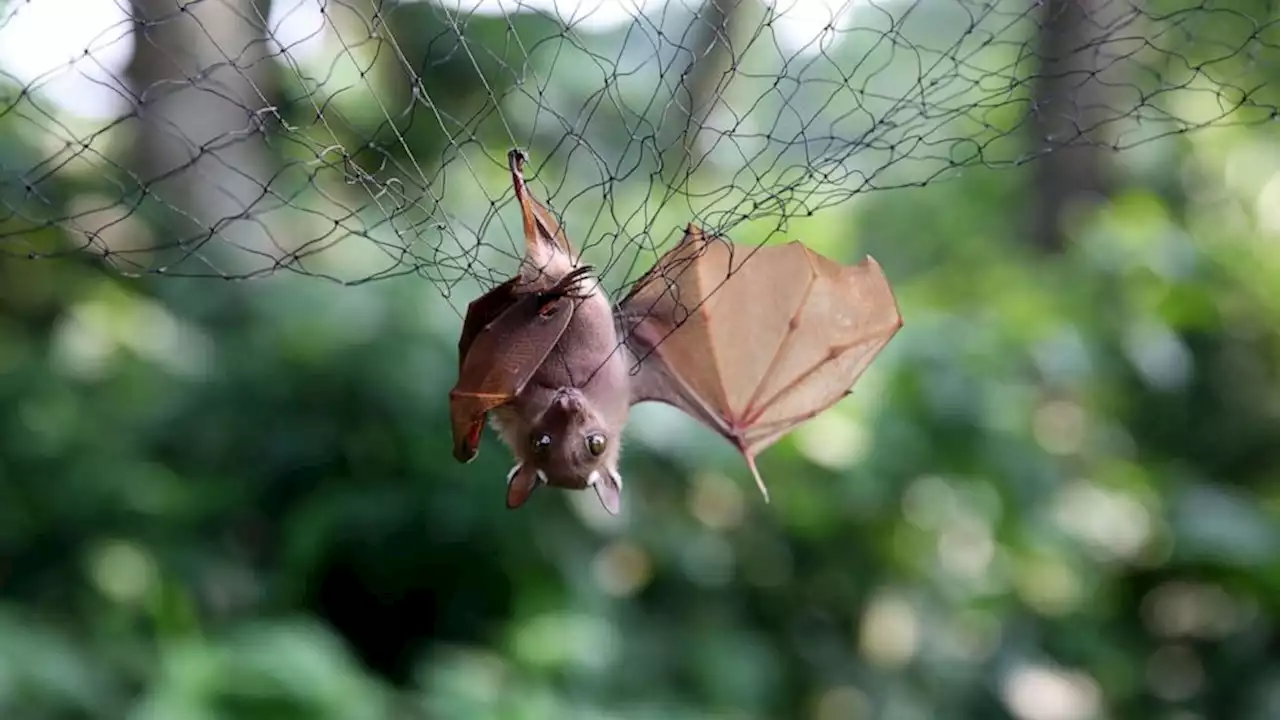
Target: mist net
[357,140]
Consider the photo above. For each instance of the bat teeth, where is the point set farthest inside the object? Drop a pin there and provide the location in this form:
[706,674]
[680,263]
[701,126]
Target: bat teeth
[542,477]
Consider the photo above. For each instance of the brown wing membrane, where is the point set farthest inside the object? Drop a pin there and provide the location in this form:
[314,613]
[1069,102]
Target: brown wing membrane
[499,361]
[481,312]
[754,341]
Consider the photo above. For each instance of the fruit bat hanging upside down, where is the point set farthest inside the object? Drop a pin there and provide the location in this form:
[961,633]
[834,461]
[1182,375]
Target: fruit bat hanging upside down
[749,341]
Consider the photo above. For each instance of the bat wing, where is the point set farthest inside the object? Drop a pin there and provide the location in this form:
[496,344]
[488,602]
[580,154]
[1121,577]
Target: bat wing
[498,356]
[753,342]
[481,313]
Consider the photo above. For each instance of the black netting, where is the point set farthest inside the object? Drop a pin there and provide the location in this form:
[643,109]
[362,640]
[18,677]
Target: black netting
[363,140]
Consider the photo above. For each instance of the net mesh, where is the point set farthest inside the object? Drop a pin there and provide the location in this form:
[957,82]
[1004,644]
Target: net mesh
[360,140]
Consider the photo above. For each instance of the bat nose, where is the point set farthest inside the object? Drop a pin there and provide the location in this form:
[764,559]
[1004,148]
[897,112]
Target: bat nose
[568,402]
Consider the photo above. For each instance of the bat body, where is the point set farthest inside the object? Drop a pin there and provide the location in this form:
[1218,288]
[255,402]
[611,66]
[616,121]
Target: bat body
[750,342]
[541,353]
[563,424]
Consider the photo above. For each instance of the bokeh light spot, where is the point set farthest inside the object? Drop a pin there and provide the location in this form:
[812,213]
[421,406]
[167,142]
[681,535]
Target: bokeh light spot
[622,569]
[1035,692]
[890,631]
[123,571]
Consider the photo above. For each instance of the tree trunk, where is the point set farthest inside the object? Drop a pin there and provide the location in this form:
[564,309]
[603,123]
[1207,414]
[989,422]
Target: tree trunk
[1078,95]
[203,80]
[720,38]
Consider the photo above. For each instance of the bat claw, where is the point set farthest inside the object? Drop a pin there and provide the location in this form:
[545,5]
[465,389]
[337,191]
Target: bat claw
[465,452]
[516,159]
[568,287]
[467,447]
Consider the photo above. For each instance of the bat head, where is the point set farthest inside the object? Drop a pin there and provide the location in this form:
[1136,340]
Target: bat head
[568,446]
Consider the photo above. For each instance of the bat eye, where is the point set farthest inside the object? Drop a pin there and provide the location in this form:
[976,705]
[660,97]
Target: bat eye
[541,443]
[596,443]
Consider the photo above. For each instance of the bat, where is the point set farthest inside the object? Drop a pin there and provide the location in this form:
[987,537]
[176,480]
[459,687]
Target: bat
[751,342]
[540,355]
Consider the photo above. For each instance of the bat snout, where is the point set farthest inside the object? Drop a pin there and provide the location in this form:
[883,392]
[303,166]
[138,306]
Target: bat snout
[568,401]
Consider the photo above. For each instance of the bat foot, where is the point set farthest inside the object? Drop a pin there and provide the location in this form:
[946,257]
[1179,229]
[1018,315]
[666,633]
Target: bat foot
[516,158]
[568,286]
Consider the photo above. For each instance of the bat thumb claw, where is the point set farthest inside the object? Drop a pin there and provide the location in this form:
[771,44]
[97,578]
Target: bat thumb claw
[466,447]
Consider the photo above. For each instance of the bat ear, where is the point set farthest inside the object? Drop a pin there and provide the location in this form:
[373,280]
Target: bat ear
[521,482]
[608,485]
